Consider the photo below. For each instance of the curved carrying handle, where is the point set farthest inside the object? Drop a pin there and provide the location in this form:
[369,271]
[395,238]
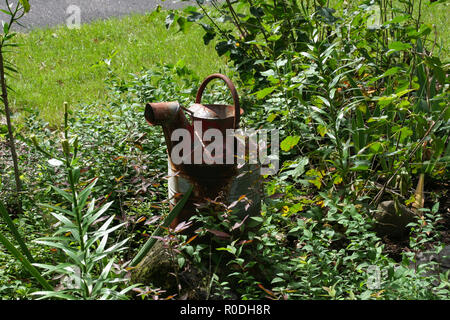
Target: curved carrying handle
[234,94]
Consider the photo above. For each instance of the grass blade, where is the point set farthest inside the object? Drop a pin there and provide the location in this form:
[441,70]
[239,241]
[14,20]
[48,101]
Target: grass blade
[19,256]
[12,228]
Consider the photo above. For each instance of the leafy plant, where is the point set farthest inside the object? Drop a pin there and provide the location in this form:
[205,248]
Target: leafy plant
[15,14]
[358,93]
[88,267]
[158,232]
[12,228]
[20,257]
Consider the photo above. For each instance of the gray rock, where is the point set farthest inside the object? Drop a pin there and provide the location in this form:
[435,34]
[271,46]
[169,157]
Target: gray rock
[391,220]
[159,269]
[444,257]
[441,262]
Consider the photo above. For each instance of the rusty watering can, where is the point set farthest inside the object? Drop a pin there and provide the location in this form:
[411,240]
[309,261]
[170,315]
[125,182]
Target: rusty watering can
[211,181]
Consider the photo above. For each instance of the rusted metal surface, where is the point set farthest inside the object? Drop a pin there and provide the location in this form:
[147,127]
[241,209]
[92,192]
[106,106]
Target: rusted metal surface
[162,113]
[234,94]
[169,115]
[219,182]
[246,183]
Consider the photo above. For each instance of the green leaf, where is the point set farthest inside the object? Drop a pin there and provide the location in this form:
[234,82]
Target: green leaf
[151,242]
[222,47]
[281,63]
[12,228]
[181,261]
[274,37]
[261,94]
[89,219]
[6,12]
[324,100]
[385,101]
[101,246]
[389,72]
[308,55]
[53,294]
[298,167]
[268,73]
[26,5]
[76,175]
[115,248]
[405,132]
[181,21]
[64,211]
[67,223]
[272,117]
[398,19]
[208,36]
[107,269]
[85,194]
[105,226]
[257,11]
[322,130]
[63,193]
[290,142]
[398,46]
[5,28]
[361,165]
[376,146]
[195,16]
[27,265]
[169,20]
[60,268]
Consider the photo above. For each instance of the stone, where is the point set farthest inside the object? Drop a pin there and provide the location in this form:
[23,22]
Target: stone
[391,220]
[159,269]
[441,260]
[156,268]
[444,257]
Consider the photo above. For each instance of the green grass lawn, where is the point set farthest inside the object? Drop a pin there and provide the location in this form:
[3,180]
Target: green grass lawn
[56,64]
[438,16]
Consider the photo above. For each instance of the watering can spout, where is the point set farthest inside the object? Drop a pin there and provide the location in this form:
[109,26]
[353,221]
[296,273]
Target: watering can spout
[169,115]
[162,113]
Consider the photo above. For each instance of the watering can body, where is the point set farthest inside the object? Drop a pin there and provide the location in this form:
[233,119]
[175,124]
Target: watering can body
[219,181]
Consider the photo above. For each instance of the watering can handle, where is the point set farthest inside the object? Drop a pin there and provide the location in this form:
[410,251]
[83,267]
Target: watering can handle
[237,107]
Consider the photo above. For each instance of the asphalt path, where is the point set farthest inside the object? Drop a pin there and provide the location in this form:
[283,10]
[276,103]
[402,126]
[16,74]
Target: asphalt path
[45,13]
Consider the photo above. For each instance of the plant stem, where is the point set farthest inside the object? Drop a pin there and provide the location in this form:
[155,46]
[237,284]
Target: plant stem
[151,242]
[377,198]
[236,20]
[12,144]
[419,14]
[74,194]
[77,210]
[211,19]
[12,228]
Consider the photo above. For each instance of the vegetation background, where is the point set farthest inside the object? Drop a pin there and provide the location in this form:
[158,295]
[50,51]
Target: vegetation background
[358,90]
